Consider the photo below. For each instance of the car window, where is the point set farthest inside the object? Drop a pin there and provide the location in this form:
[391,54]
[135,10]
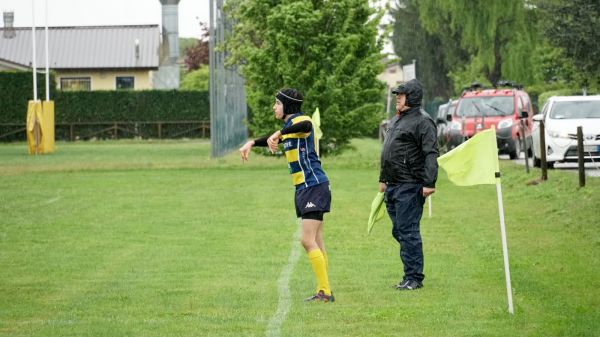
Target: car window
[526,102]
[442,111]
[485,106]
[575,110]
[545,109]
[452,108]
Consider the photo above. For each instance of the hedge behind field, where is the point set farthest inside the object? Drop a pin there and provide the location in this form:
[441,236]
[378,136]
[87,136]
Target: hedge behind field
[147,105]
[16,89]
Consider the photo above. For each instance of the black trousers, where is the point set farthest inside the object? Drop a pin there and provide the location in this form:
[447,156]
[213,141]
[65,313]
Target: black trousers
[404,204]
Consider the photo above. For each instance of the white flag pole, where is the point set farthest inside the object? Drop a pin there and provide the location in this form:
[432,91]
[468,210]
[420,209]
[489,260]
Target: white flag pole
[504,247]
[429,198]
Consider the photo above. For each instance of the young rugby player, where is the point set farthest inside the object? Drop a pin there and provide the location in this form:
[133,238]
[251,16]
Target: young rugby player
[313,196]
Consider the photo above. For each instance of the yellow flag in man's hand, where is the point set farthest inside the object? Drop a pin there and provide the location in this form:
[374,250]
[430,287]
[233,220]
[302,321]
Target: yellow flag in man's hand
[377,211]
[473,162]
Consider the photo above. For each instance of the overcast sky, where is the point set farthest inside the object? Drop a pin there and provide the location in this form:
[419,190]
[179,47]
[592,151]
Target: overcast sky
[106,12]
[113,12]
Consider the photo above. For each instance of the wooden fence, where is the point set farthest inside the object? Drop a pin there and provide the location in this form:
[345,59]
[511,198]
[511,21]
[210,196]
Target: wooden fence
[115,130]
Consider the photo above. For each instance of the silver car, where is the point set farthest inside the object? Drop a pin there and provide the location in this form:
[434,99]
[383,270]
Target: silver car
[562,115]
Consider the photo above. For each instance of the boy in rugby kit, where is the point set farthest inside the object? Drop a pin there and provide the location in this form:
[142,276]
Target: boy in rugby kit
[313,196]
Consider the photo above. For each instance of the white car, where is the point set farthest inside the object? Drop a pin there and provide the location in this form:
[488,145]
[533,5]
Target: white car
[562,115]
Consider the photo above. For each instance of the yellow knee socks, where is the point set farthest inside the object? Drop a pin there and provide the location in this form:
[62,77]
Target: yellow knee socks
[319,266]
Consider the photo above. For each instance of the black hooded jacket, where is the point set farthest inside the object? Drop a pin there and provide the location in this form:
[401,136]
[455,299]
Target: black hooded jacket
[410,152]
[413,91]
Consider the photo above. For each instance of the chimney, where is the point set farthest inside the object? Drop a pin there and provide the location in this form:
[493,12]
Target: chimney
[9,19]
[170,31]
[137,48]
[167,75]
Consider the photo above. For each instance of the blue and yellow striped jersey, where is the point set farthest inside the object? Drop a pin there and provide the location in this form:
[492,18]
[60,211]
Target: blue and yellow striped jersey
[303,161]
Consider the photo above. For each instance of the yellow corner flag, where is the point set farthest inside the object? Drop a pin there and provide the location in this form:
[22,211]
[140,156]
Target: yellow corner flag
[473,162]
[316,120]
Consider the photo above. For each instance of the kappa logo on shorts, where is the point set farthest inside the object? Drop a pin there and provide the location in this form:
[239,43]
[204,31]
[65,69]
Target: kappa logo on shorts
[310,205]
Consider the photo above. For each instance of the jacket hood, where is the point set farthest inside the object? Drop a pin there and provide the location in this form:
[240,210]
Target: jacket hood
[413,91]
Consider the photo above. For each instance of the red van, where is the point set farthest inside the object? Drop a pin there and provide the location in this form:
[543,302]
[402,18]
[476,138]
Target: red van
[505,108]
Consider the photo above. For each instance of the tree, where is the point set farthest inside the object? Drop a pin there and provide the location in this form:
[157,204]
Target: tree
[196,79]
[435,53]
[573,26]
[198,55]
[500,35]
[326,49]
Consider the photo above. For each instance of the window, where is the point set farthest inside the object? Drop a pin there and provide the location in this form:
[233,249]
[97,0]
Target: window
[526,102]
[486,106]
[76,83]
[125,82]
[575,110]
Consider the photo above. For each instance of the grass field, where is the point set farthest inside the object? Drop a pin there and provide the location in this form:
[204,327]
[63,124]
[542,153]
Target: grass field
[156,239]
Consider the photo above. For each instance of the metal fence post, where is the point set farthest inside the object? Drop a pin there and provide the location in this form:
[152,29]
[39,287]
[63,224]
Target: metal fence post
[580,161]
[228,109]
[524,146]
[544,164]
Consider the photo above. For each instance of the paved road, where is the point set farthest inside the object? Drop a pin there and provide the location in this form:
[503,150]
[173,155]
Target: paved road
[591,169]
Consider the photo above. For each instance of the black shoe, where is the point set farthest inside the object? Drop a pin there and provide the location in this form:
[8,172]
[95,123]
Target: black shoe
[409,285]
[396,286]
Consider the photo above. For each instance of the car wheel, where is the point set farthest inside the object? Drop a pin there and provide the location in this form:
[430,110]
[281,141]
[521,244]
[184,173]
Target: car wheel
[537,162]
[550,164]
[514,154]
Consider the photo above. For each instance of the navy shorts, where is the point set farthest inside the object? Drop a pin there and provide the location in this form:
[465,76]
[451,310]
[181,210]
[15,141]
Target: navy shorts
[313,199]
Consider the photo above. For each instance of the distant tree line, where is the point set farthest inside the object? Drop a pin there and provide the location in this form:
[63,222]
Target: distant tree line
[539,43]
[330,51]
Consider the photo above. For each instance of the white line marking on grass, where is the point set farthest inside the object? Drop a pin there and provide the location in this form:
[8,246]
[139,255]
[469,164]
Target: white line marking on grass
[55,199]
[285,298]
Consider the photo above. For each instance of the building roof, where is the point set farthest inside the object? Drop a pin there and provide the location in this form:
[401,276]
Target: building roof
[86,47]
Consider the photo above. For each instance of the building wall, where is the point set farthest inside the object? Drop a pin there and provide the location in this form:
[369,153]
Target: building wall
[106,80]
[392,75]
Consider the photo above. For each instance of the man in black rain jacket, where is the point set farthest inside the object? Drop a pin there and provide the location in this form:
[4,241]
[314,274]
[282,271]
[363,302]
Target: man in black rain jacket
[408,175]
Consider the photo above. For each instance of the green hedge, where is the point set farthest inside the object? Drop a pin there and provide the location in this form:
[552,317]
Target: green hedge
[147,105]
[16,89]
[101,106]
